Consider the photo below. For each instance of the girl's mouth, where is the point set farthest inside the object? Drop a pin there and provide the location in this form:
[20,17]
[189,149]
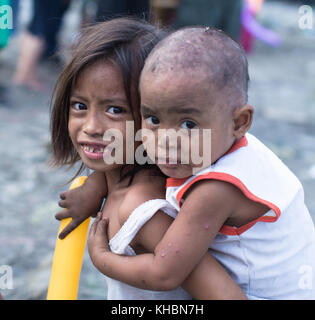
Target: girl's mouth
[94,152]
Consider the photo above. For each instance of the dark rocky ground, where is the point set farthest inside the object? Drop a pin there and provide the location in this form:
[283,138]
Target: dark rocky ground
[282,91]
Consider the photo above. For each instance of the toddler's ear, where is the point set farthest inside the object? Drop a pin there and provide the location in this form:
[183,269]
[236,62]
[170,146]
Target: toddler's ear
[242,118]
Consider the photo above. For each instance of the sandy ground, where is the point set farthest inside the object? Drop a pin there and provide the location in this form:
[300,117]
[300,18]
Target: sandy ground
[282,91]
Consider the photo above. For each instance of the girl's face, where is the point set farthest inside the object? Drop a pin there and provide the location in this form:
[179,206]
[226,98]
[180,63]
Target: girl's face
[98,105]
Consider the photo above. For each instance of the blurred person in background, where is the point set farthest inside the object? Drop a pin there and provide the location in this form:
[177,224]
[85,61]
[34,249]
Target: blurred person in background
[39,40]
[111,8]
[163,12]
[102,10]
[223,14]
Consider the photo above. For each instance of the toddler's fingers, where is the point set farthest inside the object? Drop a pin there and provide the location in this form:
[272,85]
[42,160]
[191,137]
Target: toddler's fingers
[95,223]
[102,226]
[98,216]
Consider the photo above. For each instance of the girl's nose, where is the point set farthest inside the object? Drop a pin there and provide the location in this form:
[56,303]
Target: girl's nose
[93,126]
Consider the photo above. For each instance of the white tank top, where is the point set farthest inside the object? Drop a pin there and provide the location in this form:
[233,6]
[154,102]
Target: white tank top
[272,257]
[119,244]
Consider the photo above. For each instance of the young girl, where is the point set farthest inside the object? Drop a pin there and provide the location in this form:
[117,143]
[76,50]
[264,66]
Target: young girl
[96,92]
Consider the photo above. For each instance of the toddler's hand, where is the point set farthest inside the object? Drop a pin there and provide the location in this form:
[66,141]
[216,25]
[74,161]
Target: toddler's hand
[80,203]
[98,239]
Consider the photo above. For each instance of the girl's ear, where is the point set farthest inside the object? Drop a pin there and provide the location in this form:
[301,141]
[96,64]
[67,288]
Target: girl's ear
[242,118]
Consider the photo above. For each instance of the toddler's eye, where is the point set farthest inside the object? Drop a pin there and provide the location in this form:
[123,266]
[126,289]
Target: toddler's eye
[188,124]
[152,120]
[115,110]
[78,106]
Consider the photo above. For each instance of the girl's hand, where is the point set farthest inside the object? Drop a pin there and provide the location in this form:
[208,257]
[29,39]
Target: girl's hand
[80,203]
[98,239]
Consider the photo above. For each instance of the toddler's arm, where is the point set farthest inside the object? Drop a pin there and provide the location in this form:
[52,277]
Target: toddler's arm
[208,280]
[82,202]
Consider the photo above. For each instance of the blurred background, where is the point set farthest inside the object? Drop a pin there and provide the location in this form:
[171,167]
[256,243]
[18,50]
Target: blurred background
[278,36]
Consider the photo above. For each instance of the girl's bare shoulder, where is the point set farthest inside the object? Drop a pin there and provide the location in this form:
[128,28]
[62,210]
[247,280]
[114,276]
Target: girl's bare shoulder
[145,186]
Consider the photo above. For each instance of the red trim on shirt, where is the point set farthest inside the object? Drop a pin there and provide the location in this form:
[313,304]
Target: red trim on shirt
[175,182]
[229,230]
[238,144]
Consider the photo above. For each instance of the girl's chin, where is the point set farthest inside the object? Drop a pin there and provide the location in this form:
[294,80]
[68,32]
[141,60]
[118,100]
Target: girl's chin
[99,165]
[93,164]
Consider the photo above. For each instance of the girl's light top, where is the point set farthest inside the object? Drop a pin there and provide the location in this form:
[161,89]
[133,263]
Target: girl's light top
[272,257]
[120,244]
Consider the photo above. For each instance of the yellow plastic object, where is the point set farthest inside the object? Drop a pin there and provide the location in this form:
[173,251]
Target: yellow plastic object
[67,263]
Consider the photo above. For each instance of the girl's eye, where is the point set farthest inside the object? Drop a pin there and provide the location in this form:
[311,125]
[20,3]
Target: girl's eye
[79,106]
[188,124]
[152,120]
[115,110]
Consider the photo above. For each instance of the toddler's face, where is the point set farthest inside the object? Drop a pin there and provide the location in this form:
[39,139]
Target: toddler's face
[98,104]
[181,102]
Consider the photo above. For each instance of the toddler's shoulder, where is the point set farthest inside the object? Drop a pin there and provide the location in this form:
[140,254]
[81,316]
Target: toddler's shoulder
[210,189]
[223,197]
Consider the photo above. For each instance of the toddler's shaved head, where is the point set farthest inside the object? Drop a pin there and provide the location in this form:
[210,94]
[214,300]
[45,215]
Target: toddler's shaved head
[208,54]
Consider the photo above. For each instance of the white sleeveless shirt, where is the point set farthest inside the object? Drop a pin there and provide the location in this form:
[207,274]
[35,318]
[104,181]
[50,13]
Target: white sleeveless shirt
[272,257]
[119,244]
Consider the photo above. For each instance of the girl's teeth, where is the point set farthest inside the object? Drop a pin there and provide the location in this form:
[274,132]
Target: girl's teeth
[89,149]
[92,149]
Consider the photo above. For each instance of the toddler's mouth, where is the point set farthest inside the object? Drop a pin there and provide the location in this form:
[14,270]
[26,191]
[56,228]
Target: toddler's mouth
[167,162]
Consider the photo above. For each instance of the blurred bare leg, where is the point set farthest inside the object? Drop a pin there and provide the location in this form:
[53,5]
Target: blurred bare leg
[31,50]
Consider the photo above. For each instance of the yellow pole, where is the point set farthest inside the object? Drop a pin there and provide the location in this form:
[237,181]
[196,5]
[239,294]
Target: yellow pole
[66,267]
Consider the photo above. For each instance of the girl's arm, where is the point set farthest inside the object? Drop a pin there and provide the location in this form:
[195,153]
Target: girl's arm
[82,202]
[208,280]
